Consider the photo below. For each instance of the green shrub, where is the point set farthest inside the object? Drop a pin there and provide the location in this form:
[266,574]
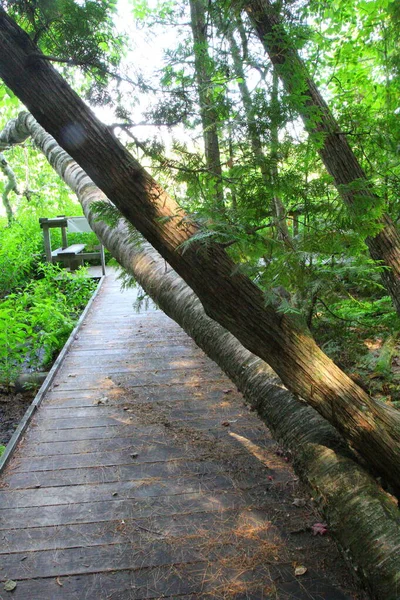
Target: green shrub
[36,321]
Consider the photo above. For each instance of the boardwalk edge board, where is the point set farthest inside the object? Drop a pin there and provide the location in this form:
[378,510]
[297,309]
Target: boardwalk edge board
[26,419]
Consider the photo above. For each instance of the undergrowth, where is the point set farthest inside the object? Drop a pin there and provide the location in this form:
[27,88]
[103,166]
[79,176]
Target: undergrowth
[36,319]
[361,336]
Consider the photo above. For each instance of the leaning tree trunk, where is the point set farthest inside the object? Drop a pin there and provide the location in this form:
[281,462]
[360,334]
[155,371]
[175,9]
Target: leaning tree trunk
[228,296]
[333,147]
[363,518]
[208,112]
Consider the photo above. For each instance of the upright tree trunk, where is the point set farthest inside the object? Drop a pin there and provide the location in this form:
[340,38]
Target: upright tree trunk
[209,116]
[370,530]
[333,147]
[10,186]
[269,172]
[227,295]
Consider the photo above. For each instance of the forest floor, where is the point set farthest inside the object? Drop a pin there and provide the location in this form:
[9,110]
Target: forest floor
[370,357]
[12,409]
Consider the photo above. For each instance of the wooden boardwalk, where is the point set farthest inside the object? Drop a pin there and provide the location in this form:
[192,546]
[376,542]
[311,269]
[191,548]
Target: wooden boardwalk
[143,475]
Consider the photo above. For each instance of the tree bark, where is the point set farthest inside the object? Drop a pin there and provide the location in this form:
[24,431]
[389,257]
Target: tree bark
[10,186]
[333,147]
[229,297]
[209,116]
[362,517]
[269,173]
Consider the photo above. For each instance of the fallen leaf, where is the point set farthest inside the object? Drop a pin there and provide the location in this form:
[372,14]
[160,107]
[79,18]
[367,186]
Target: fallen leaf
[319,529]
[225,423]
[300,570]
[10,585]
[299,502]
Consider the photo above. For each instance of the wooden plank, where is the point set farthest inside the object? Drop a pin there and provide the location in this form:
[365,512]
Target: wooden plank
[133,472]
[204,375]
[190,421]
[53,222]
[41,436]
[173,581]
[251,432]
[174,408]
[146,453]
[70,423]
[51,496]
[63,448]
[71,250]
[144,349]
[143,552]
[108,558]
[129,366]
[113,532]
[115,509]
[146,394]
[96,343]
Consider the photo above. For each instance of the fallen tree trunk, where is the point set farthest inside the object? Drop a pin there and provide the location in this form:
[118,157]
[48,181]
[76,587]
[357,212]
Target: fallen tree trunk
[332,145]
[371,427]
[363,518]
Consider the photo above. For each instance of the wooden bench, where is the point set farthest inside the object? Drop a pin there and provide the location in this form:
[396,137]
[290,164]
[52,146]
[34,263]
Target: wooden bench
[72,256]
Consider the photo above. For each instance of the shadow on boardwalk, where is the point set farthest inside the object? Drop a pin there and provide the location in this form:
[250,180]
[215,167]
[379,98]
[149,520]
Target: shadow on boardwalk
[143,475]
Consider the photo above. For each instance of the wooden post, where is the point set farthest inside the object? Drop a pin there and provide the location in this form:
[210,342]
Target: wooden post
[103,260]
[46,238]
[64,238]
[64,243]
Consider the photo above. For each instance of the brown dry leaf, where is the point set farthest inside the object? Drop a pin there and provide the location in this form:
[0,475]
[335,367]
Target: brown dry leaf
[300,570]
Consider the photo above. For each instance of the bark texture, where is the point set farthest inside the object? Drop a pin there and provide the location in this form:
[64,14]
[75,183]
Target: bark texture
[333,147]
[269,172]
[209,116]
[362,517]
[10,186]
[228,297]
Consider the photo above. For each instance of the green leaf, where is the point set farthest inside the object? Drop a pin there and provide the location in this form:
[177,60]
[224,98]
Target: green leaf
[10,585]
